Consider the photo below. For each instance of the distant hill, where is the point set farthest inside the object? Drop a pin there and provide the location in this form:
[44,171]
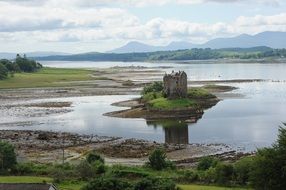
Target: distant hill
[269,39]
[133,47]
[188,54]
[4,55]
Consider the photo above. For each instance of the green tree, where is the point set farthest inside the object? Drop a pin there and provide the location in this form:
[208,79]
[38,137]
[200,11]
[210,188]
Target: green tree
[3,72]
[269,168]
[12,67]
[7,156]
[242,169]
[27,65]
[224,173]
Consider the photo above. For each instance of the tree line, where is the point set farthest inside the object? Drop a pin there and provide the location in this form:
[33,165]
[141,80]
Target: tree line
[187,54]
[20,64]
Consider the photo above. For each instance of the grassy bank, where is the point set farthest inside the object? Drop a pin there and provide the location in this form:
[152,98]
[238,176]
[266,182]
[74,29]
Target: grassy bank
[156,101]
[76,185]
[46,77]
[166,104]
[66,185]
[205,187]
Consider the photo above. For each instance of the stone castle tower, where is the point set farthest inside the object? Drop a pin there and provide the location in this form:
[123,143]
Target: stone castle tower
[175,85]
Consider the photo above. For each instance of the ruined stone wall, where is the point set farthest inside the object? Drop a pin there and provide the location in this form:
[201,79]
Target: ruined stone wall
[175,85]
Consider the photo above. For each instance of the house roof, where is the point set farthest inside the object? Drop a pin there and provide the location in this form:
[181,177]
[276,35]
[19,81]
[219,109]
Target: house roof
[27,186]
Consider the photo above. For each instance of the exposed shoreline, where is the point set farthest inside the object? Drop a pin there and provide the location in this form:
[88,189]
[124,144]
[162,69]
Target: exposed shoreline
[47,147]
[35,102]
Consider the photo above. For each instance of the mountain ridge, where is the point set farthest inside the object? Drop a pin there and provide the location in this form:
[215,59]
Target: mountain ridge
[268,38]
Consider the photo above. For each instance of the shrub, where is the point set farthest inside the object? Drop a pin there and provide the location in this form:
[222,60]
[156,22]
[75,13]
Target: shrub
[224,173]
[269,168]
[189,176]
[208,176]
[151,96]
[128,172]
[155,184]
[84,170]
[7,156]
[154,87]
[207,162]
[61,172]
[242,169]
[157,160]
[199,93]
[98,167]
[106,184]
[23,169]
[92,157]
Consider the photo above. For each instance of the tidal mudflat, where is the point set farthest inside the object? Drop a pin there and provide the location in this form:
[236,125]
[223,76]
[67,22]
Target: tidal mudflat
[245,118]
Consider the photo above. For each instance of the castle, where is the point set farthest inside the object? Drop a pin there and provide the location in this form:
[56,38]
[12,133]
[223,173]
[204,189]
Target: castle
[175,85]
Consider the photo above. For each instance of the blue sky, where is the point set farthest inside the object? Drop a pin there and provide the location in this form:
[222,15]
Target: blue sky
[206,12]
[100,25]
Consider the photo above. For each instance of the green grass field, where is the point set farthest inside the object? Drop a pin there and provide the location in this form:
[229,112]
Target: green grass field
[76,185]
[24,179]
[69,185]
[46,77]
[204,187]
[166,104]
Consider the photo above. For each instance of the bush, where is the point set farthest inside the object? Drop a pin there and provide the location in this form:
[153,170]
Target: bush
[224,173]
[207,162]
[92,157]
[62,172]
[242,169]
[29,168]
[208,176]
[154,87]
[128,172]
[106,184]
[84,170]
[157,160]
[151,96]
[199,93]
[7,156]
[98,167]
[155,184]
[269,168]
[189,176]
[3,72]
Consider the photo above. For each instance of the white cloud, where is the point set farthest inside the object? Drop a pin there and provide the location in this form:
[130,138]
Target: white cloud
[88,21]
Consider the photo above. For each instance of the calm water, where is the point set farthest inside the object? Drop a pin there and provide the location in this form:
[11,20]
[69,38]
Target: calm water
[245,123]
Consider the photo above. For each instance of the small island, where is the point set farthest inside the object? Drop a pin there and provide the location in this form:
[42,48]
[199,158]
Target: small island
[169,99]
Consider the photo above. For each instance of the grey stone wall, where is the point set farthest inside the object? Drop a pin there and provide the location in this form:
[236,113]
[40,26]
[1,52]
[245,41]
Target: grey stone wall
[175,85]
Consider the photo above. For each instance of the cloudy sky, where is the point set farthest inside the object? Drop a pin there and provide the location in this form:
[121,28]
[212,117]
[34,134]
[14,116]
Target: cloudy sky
[100,25]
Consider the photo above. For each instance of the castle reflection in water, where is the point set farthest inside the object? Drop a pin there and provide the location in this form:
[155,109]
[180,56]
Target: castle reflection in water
[176,132]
